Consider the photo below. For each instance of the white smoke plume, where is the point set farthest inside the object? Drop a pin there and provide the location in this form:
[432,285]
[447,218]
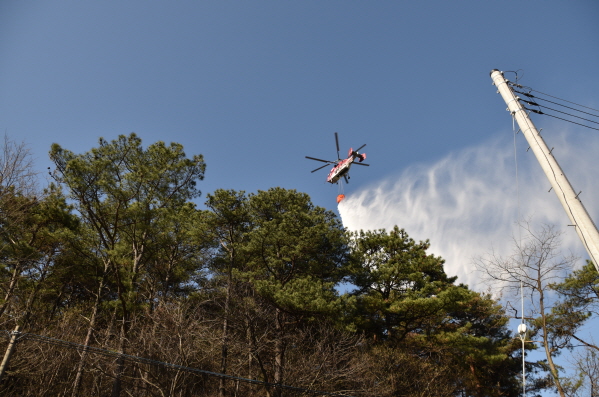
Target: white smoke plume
[469,202]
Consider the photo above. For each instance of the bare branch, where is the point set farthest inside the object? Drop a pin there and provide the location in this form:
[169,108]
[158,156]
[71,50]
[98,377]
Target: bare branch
[16,168]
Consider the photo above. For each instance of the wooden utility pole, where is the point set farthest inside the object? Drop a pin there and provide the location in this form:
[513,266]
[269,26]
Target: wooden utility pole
[585,227]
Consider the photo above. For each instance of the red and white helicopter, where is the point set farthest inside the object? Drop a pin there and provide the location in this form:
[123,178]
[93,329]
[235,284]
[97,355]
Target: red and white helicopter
[341,168]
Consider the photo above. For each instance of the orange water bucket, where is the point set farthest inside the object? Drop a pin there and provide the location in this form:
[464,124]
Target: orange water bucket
[340,198]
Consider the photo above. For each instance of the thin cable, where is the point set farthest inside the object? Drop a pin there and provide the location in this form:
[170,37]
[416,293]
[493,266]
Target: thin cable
[517,177]
[531,127]
[511,84]
[559,118]
[559,111]
[555,103]
[522,337]
[542,93]
[142,360]
[573,103]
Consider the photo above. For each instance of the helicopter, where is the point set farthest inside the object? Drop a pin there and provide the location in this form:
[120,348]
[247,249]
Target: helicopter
[342,166]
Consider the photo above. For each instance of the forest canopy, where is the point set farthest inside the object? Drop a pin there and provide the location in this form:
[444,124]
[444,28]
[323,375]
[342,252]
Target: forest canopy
[115,256]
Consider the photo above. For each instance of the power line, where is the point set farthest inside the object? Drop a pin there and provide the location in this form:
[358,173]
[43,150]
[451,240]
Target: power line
[573,103]
[555,103]
[142,360]
[559,118]
[541,112]
[551,96]
[559,111]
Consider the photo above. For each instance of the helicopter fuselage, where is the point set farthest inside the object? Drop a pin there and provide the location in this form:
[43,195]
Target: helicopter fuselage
[341,169]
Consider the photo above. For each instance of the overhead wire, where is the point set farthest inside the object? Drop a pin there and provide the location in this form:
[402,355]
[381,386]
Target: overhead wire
[555,103]
[142,360]
[532,103]
[559,118]
[553,171]
[564,100]
[561,189]
[546,113]
[521,334]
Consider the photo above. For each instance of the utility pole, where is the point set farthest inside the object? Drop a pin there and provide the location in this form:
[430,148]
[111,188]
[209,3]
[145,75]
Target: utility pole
[582,222]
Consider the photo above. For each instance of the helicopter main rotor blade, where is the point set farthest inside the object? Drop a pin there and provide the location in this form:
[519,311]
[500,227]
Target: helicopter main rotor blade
[319,168]
[324,161]
[337,143]
[367,165]
[358,149]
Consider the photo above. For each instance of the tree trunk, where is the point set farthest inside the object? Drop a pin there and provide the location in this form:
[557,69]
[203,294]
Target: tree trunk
[79,375]
[120,362]
[10,289]
[90,330]
[279,353]
[225,338]
[9,350]
[120,365]
[477,385]
[552,368]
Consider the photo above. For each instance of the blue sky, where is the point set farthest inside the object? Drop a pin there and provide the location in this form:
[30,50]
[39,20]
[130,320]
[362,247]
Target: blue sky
[256,86]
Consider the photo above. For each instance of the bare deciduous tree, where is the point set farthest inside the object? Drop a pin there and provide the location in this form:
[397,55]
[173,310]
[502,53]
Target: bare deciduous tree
[16,168]
[588,367]
[535,264]
[17,196]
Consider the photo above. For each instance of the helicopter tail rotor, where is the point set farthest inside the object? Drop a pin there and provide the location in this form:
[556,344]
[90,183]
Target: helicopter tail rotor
[359,156]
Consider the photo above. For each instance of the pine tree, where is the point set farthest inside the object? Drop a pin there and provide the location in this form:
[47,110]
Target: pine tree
[297,254]
[410,307]
[127,194]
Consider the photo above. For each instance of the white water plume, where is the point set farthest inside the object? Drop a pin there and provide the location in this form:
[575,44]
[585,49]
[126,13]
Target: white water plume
[466,203]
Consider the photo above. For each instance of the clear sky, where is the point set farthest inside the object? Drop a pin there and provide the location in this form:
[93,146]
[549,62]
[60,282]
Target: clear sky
[255,86]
